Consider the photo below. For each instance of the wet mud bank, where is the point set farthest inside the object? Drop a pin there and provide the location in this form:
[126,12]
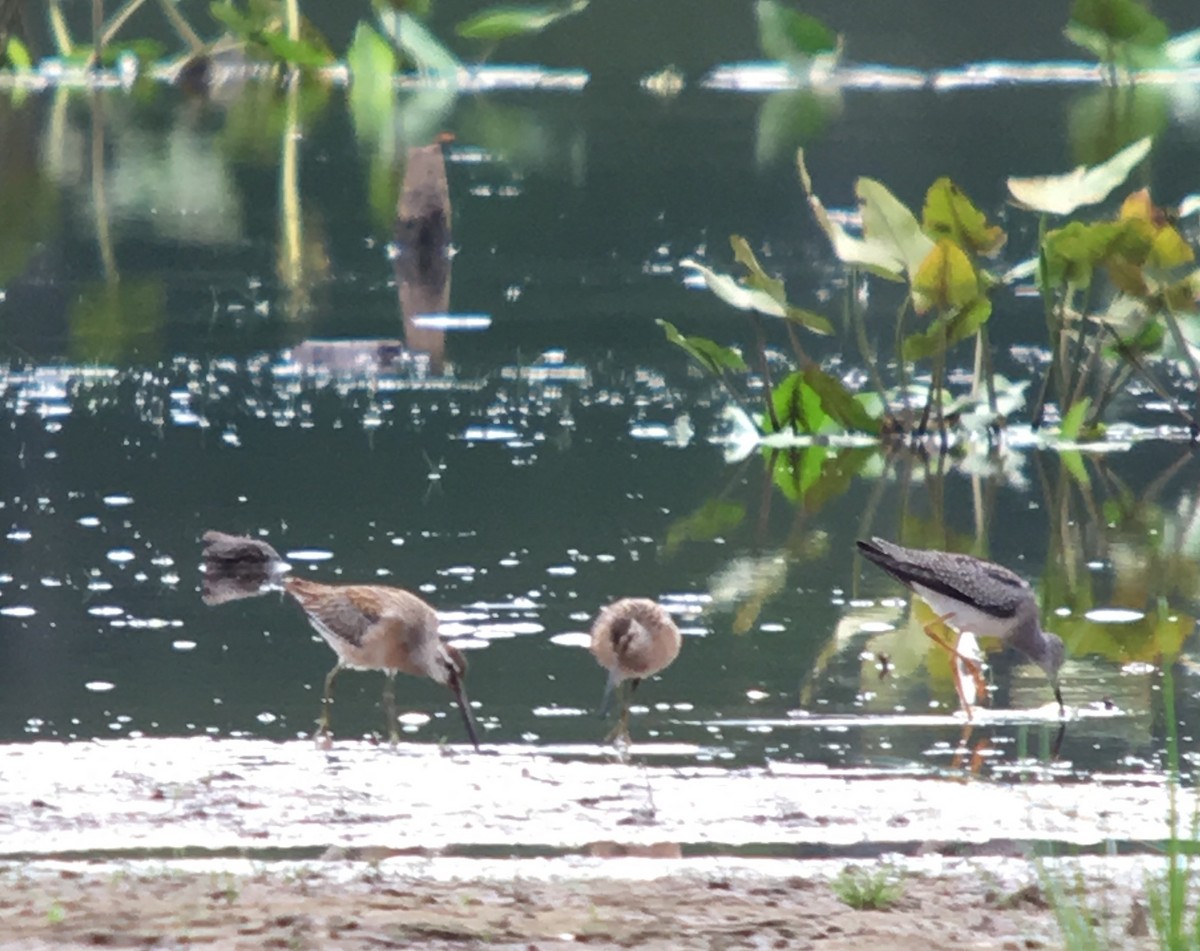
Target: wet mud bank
[246,843]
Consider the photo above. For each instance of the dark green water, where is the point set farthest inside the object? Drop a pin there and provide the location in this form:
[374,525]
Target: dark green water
[158,384]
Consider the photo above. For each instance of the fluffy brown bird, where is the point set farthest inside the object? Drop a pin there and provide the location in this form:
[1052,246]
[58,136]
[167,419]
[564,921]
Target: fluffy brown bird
[632,638]
[374,627]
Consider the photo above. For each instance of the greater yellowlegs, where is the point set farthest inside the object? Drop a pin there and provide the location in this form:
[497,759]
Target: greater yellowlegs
[633,638]
[974,595]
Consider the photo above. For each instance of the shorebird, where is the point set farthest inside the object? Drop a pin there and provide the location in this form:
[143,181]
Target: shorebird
[974,595]
[374,627]
[633,638]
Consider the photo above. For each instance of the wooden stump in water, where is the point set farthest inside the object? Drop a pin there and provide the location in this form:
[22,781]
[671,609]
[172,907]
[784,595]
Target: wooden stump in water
[423,237]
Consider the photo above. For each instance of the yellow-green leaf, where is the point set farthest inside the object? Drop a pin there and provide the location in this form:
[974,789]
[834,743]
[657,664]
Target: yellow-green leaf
[946,279]
[950,214]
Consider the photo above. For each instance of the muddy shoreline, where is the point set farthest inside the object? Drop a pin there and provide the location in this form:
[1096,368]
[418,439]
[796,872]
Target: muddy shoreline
[250,844]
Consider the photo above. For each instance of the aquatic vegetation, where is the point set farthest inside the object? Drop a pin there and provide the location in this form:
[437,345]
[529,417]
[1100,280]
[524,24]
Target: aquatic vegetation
[868,889]
[942,258]
[1125,35]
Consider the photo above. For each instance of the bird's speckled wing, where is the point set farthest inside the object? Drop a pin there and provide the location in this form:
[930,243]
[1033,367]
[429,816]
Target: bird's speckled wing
[981,584]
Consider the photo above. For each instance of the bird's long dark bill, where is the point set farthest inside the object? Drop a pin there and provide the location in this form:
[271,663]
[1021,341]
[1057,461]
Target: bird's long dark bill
[1058,696]
[463,705]
[609,689]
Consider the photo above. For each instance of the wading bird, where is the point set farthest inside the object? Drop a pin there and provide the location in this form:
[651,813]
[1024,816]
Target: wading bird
[373,627]
[633,638]
[974,595]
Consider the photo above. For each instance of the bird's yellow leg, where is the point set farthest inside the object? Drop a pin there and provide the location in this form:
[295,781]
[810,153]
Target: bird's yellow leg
[389,708]
[327,701]
[968,662]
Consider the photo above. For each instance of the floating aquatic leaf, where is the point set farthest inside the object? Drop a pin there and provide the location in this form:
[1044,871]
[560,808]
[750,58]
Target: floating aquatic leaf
[887,221]
[946,279]
[1063,194]
[790,36]
[945,331]
[712,356]
[504,22]
[735,294]
[948,213]
[875,256]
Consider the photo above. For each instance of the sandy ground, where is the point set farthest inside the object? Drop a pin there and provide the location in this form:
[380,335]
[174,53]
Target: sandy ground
[304,907]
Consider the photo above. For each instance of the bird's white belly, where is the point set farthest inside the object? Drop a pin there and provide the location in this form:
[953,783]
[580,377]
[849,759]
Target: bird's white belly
[964,617]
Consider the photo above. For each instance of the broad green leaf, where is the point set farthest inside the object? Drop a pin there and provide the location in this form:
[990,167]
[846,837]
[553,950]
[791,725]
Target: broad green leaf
[944,332]
[946,279]
[1063,194]
[372,95]
[789,36]
[758,279]
[1073,252]
[797,406]
[1126,55]
[809,320]
[712,356]
[840,403]
[874,256]
[948,213]
[1169,250]
[816,475]
[735,294]
[1072,423]
[792,118]
[887,221]
[714,519]
[504,22]
[414,39]
[370,57]
[1120,21]
[17,55]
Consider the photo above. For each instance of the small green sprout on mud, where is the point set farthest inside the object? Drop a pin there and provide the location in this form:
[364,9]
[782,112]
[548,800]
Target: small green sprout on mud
[866,889]
[55,914]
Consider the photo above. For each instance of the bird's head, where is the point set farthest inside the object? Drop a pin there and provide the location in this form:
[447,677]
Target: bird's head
[455,672]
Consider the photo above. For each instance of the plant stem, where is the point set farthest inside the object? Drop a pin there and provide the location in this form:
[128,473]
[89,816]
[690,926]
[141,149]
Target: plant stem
[864,348]
[1182,344]
[114,25]
[901,366]
[182,27]
[58,26]
[292,8]
[1133,359]
[761,343]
